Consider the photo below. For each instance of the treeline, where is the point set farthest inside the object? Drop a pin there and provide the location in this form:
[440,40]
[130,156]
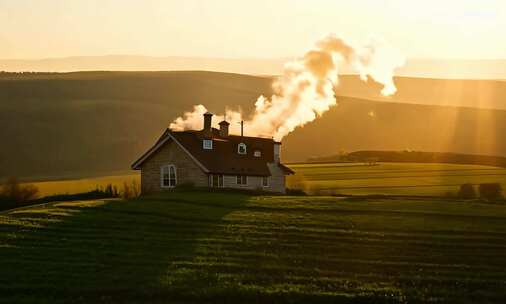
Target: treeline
[414,157]
[487,191]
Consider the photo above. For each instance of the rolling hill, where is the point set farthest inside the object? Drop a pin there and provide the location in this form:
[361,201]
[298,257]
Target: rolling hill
[59,124]
[485,94]
[358,124]
[202,247]
[414,67]
[90,123]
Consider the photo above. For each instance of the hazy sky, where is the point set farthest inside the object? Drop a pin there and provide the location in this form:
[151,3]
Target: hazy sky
[260,28]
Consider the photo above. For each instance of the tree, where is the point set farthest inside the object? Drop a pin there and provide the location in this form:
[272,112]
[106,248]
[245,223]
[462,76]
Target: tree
[467,191]
[12,190]
[491,191]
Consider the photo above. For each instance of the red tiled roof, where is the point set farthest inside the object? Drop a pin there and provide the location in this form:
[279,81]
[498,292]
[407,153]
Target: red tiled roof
[223,158]
[285,169]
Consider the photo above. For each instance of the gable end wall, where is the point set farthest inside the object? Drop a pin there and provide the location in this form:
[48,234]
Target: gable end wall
[170,154]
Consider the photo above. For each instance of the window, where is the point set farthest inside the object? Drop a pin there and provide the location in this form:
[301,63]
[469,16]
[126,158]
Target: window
[216,180]
[242,179]
[241,148]
[207,144]
[168,176]
[257,153]
[265,181]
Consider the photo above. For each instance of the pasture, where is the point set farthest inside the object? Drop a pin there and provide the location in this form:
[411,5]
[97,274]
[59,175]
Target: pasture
[426,179]
[81,185]
[235,248]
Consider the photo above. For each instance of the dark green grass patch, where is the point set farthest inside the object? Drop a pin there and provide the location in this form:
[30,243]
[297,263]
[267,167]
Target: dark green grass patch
[237,248]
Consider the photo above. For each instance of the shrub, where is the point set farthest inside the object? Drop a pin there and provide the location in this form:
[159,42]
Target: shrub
[12,190]
[130,190]
[295,192]
[491,191]
[467,191]
[136,188]
[449,194]
[297,181]
[109,190]
[126,193]
[115,191]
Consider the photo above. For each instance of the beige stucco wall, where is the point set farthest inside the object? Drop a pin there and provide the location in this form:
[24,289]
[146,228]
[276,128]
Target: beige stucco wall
[254,182]
[276,181]
[187,170]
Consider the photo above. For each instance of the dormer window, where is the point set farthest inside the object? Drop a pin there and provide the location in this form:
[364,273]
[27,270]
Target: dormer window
[207,144]
[257,153]
[241,148]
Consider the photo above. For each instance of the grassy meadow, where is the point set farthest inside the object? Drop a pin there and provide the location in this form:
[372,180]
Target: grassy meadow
[428,179]
[235,248]
[81,185]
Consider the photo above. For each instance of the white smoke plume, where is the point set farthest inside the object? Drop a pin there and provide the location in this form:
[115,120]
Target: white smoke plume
[305,90]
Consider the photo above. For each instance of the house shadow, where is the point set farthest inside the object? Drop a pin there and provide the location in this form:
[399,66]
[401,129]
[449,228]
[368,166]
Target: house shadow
[114,251]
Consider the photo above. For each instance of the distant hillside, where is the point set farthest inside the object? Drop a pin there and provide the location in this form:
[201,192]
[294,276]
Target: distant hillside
[91,122]
[426,68]
[251,66]
[489,94]
[358,124]
[454,68]
[98,122]
[414,157]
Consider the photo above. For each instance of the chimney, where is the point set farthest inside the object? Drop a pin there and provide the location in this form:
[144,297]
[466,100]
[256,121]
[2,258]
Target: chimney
[224,128]
[277,152]
[207,121]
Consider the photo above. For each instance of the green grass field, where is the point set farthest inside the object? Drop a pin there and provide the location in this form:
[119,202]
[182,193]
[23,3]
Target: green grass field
[391,178]
[337,178]
[234,248]
[81,185]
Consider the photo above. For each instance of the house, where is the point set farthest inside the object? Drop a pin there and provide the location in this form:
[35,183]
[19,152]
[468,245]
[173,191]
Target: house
[212,158]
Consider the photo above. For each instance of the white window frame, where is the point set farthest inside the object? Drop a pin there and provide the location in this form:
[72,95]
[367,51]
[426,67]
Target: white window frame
[239,148]
[211,183]
[241,180]
[257,153]
[207,144]
[165,168]
[267,178]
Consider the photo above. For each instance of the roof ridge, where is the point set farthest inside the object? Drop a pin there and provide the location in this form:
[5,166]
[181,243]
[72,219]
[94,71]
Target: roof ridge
[230,135]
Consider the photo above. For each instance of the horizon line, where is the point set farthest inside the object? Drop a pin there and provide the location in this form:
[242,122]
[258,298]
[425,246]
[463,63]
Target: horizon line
[225,58]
